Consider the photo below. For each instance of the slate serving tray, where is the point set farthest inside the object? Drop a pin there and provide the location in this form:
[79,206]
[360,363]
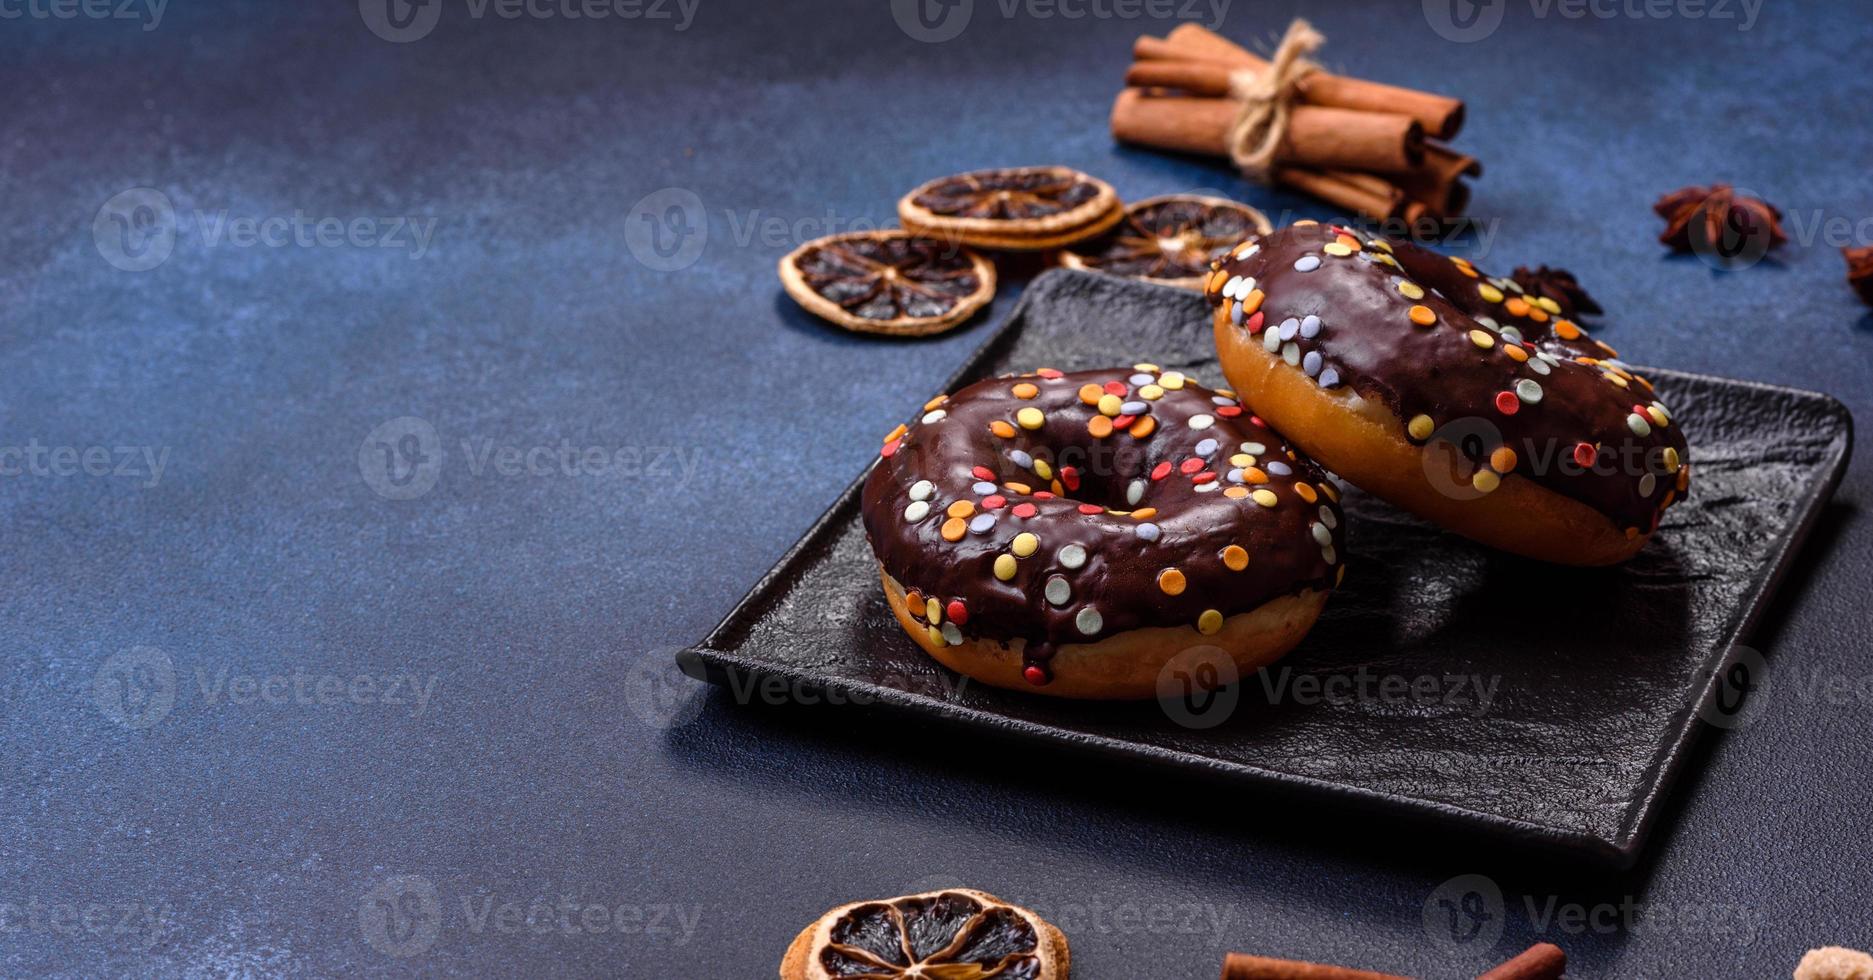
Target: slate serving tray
[1592,711]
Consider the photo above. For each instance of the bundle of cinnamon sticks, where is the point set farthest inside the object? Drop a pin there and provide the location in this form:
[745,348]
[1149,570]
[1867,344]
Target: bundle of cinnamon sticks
[1375,149]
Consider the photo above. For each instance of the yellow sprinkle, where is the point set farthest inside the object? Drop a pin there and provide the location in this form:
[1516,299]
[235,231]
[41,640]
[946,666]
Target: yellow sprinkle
[1005,567]
[1043,469]
[1025,391]
[1143,366]
[1482,338]
[936,636]
[1242,459]
[1332,494]
[1030,418]
[1421,427]
[1171,581]
[1235,558]
[933,611]
[1024,544]
[1209,622]
[1658,418]
[1338,249]
[1151,393]
[1265,497]
[1380,244]
[1548,304]
[1171,381]
[1411,289]
[1671,458]
[1422,316]
[1485,480]
[1109,404]
[1489,292]
[1002,429]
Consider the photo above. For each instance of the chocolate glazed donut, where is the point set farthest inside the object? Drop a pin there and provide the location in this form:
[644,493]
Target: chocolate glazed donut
[1449,393]
[1074,533]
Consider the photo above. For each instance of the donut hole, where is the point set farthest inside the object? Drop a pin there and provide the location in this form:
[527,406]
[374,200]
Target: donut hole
[1114,476]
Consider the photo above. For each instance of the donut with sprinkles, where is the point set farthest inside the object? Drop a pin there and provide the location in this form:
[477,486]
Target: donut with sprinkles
[1073,533]
[1448,392]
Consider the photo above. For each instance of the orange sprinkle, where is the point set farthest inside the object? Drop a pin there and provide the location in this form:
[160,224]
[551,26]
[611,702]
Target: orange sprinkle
[1332,494]
[1144,513]
[1349,242]
[934,402]
[1567,330]
[1502,460]
[1002,429]
[1235,557]
[1100,426]
[1090,394]
[1253,302]
[1217,279]
[1306,492]
[1254,474]
[961,508]
[1610,352]
[900,430]
[1516,352]
[1025,391]
[1516,305]
[1144,427]
[1018,487]
[954,529]
[1538,314]
[1236,493]
[1171,581]
[1059,491]
[1422,316]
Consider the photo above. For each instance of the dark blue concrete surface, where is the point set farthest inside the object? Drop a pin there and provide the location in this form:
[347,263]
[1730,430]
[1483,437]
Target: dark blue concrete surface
[190,757]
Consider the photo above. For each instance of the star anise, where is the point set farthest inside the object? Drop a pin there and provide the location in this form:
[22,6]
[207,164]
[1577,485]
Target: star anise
[1716,219]
[1558,285]
[1860,270]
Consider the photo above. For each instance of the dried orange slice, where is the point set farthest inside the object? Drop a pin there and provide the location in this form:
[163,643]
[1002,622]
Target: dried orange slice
[953,934]
[888,282]
[1017,209]
[1170,239]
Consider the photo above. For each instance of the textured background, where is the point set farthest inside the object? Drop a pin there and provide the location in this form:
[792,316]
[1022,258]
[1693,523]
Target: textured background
[209,830]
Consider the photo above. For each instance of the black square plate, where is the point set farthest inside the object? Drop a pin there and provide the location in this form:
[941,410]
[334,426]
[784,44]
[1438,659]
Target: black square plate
[1599,678]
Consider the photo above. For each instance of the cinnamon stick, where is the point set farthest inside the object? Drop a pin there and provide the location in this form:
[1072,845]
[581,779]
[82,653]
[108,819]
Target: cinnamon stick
[1437,182]
[1542,961]
[1317,136]
[1440,115]
[1372,196]
[1240,966]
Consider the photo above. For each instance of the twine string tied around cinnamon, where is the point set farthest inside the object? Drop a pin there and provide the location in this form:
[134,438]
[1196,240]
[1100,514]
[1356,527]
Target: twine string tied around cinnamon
[1267,101]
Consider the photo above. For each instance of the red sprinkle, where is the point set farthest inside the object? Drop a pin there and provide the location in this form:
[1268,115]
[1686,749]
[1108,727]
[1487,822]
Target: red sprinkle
[957,612]
[1043,495]
[1035,675]
[1254,323]
[984,473]
[1091,509]
[1161,470]
[1229,411]
[890,448]
[1070,477]
[994,501]
[1191,465]
[1116,388]
[1123,421]
[1049,373]
[1257,419]
[1203,477]
[1584,454]
[1507,403]
[1023,510]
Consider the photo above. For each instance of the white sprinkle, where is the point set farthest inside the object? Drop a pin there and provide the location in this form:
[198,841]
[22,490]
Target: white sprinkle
[1329,554]
[1327,518]
[1022,459]
[1312,363]
[1322,534]
[1229,288]
[922,489]
[1638,424]
[1254,448]
[1058,591]
[1235,314]
[1289,328]
[1089,621]
[1539,366]
[1528,390]
[1647,484]
[1148,531]
[1310,326]
[1512,334]
[1489,323]
[1271,340]
[1206,447]
[981,523]
[1141,379]
[1135,492]
[1220,400]
[1072,556]
[934,416]
[1234,476]
[916,511]
[1278,468]
[1329,378]
[1550,358]
[983,488]
[1210,487]
[1307,263]
[1291,352]
[1134,408]
[1201,422]
[951,635]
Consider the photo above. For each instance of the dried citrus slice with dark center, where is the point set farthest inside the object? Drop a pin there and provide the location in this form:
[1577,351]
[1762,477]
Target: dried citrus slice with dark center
[954,934]
[1170,240]
[888,282]
[1022,208]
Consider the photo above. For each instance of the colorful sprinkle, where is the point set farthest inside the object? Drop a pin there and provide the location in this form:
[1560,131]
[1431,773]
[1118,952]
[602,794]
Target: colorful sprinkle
[1485,481]
[981,523]
[1235,558]
[1411,289]
[1585,454]
[1422,316]
[1034,674]
[1421,427]
[1030,418]
[1025,391]
[1005,566]
[1089,621]
[1265,497]
[1024,544]
[1337,249]
[1307,263]
[1171,581]
[1483,339]
[1201,422]
[1528,390]
[957,612]
[1489,293]
[1148,531]
[1310,326]
[917,511]
[1507,403]
[922,489]
[1058,591]
[1209,622]
[954,529]
[1002,429]
[1072,556]
[1638,424]
[961,508]
[1502,460]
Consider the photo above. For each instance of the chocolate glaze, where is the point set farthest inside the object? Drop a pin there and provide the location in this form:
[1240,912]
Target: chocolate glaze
[1369,341]
[1120,574]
